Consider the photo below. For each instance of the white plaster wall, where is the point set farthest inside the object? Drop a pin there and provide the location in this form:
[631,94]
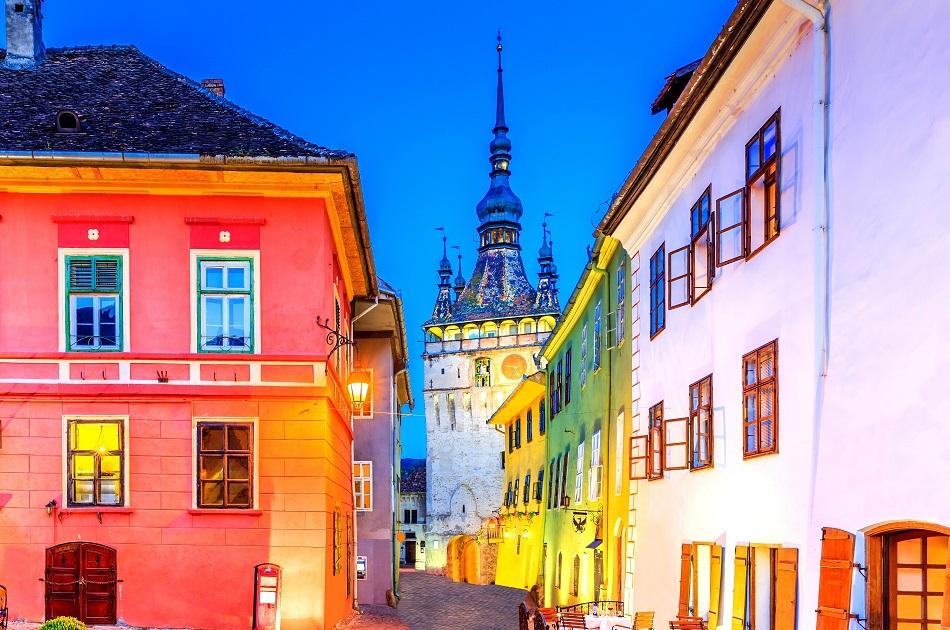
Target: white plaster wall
[770,296]
[463,464]
[884,433]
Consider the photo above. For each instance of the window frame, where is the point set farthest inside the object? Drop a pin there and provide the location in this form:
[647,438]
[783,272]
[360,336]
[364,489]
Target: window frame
[68,488]
[579,474]
[529,425]
[770,169]
[357,495]
[70,293]
[658,291]
[251,292]
[704,232]
[252,455]
[755,388]
[654,425]
[621,319]
[598,335]
[518,433]
[740,225]
[482,372]
[541,419]
[584,353]
[694,417]
[568,364]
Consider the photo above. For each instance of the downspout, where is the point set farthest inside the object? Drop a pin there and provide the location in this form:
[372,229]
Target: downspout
[605,440]
[818,16]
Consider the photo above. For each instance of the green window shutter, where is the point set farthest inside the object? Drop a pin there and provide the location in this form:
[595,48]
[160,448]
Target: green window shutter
[81,274]
[107,275]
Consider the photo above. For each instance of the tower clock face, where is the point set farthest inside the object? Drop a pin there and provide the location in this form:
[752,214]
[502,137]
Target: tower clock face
[514,366]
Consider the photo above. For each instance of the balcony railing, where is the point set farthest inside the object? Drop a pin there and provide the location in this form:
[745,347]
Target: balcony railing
[485,343]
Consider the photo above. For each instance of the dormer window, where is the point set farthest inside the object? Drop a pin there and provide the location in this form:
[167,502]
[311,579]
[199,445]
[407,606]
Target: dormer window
[67,121]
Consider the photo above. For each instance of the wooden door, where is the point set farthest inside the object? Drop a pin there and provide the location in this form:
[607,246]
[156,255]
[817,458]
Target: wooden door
[81,582]
[916,578]
[410,552]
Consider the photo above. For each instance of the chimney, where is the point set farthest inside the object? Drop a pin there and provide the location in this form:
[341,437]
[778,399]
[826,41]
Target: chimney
[24,32]
[215,86]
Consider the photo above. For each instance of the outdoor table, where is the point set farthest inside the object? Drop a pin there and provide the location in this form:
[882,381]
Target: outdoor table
[606,623]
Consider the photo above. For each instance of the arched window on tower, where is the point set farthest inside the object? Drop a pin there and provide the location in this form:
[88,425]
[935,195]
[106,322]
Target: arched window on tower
[470,331]
[483,372]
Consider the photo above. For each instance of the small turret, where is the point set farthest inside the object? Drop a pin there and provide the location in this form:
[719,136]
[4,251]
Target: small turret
[443,303]
[459,280]
[547,296]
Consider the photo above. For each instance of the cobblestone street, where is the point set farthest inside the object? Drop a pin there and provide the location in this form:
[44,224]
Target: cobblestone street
[432,602]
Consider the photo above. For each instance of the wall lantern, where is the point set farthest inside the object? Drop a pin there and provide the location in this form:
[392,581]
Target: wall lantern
[358,387]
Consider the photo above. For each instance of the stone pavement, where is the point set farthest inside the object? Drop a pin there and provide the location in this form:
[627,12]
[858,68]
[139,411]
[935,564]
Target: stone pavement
[431,602]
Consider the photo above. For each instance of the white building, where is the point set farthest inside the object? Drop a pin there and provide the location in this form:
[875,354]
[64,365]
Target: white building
[790,348]
[412,514]
[479,344]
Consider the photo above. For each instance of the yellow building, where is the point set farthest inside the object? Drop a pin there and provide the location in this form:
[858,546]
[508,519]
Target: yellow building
[523,419]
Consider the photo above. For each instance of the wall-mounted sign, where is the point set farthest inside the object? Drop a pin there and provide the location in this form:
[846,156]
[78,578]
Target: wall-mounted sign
[360,567]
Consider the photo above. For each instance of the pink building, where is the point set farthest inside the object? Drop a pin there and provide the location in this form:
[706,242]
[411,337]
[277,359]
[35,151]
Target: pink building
[172,417]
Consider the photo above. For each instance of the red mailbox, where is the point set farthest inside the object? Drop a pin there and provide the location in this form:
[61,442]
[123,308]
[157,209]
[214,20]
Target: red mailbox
[267,597]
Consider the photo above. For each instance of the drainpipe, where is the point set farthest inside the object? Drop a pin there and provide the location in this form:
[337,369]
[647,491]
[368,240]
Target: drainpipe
[818,16]
[605,425]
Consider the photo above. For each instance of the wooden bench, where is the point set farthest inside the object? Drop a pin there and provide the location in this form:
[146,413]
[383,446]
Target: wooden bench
[573,620]
[643,620]
[688,623]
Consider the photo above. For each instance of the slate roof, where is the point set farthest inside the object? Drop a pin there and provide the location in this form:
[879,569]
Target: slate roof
[130,103]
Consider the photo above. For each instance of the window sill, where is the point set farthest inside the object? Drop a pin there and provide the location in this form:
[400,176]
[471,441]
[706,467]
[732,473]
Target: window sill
[104,509]
[225,511]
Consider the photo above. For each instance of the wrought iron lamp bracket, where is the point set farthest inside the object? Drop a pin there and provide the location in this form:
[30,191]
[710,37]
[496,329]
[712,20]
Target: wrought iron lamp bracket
[863,570]
[335,339]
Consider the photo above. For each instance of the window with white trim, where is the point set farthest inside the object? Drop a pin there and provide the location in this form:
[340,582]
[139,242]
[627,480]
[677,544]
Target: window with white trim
[363,486]
[225,305]
[598,336]
[94,302]
[595,483]
[621,302]
[584,355]
[225,465]
[579,475]
[96,462]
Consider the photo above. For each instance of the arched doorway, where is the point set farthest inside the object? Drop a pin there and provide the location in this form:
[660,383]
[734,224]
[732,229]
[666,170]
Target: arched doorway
[470,561]
[453,559]
[908,571]
[81,582]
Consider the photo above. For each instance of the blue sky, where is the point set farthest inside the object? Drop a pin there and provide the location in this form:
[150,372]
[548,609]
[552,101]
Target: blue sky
[409,88]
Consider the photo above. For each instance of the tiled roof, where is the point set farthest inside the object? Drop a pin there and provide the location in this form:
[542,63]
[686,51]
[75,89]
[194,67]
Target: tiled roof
[130,103]
[498,289]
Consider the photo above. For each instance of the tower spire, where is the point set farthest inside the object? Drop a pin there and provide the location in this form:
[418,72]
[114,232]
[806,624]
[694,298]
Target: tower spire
[500,98]
[547,295]
[443,302]
[459,282]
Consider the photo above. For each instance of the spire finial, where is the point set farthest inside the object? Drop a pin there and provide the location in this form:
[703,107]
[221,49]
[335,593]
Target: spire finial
[500,104]
[499,49]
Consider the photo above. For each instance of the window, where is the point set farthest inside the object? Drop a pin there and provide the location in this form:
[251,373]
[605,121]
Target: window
[560,384]
[94,298]
[225,460]
[763,219]
[584,355]
[579,475]
[225,304]
[514,494]
[701,581]
[66,121]
[96,463]
[558,570]
[680,285]
[451,405]
[552,392]
[508,499]
[552,483]
[598,328]
[657,291]
[618,463]
[511,437]
[363,486]
[916,577]
[435,409]
[541,410]
[483,372]
[526,498]
[765,584]
[655,442]
[564,497]
[760,400]
[529,421]
[702,261]
[730,228]
[701,424]
[411,517]
[699,213]
[595,483]
[539,486]
[518,433]
[576,576]
[621,302]
[567,375]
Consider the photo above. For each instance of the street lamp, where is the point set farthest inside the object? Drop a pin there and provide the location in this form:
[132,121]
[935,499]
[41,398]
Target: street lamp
[358,387]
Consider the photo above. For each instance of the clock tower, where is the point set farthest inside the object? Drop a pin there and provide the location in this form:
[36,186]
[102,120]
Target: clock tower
[479,345]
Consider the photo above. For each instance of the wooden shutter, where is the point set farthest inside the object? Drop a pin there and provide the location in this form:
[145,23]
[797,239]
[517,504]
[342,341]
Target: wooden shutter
[834,581]
[80,274]
[945,621]
[678,267]
[715,585]
[639,455]
[786,588]
[107,275]
[676,456]
[686,572]
[739,593]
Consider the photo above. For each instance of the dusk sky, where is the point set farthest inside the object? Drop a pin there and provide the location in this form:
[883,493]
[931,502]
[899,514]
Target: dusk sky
[410,86]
